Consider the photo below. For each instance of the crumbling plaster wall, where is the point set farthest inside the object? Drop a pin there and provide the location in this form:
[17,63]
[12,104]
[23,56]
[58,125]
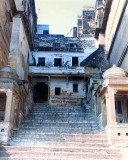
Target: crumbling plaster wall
[67,96]
[66,57]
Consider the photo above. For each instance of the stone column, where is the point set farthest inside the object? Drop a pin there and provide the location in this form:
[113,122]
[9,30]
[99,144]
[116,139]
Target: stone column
[111,113]
[8,108]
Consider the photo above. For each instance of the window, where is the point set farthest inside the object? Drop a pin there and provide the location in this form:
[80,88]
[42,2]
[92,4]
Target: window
[57,62]
[73,45]
[74,61]
[57,91]
[56,44]
[118,107]
[41,61]
[75,88]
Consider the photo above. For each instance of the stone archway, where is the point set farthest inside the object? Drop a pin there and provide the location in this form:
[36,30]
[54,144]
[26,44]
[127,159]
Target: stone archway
[40,93]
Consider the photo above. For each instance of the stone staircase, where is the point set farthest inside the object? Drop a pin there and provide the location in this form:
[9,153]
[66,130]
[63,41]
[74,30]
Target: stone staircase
[59,133]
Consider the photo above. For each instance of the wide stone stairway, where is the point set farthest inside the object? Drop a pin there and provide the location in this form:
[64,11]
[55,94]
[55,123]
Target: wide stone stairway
[59,133]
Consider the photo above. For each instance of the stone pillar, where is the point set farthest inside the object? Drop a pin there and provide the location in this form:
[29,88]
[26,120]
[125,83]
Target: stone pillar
[111,113]
[8,108]
[14,44]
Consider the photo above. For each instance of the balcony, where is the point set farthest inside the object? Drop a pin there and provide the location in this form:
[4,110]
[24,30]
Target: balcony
[35,70]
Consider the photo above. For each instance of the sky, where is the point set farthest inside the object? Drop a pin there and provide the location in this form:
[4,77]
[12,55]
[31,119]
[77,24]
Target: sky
[60,15]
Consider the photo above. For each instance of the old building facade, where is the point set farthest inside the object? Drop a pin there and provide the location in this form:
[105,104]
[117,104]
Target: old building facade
[85,22]
[14,86]
[7,10]
[76,94]
[55,68]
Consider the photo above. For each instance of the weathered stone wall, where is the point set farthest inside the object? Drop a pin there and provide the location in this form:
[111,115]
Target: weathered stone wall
[85,41]
[5,29]
[19,49]
[21,39]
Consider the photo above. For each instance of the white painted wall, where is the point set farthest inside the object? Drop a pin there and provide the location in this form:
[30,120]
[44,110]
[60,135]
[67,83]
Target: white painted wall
[66,56]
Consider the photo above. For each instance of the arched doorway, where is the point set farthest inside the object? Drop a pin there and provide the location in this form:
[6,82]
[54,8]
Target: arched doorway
[40,94]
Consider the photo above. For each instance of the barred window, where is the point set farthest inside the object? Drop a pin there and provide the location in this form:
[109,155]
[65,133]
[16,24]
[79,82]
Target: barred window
[75,87]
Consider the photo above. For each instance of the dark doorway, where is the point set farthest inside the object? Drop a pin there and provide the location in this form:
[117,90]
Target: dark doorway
[40,94]
[2,106]
[74,61]
[57,62]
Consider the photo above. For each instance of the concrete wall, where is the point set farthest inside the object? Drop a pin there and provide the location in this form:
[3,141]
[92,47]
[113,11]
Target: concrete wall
[67,97]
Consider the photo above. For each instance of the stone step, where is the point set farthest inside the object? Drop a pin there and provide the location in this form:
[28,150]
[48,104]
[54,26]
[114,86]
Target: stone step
[47,131]
[59,149]
[53,143]
[59,133]
[57,158]
[37,135]
[59,139]
[47,108]
[39,128]
[55,118]
[59,121]
[22,154]
[61,113]
[59,109]
[46,124]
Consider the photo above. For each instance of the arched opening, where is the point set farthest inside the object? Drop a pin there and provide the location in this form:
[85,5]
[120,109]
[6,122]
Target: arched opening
[40,94]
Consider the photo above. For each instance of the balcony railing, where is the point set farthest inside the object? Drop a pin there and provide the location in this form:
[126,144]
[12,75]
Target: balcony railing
[56,70]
